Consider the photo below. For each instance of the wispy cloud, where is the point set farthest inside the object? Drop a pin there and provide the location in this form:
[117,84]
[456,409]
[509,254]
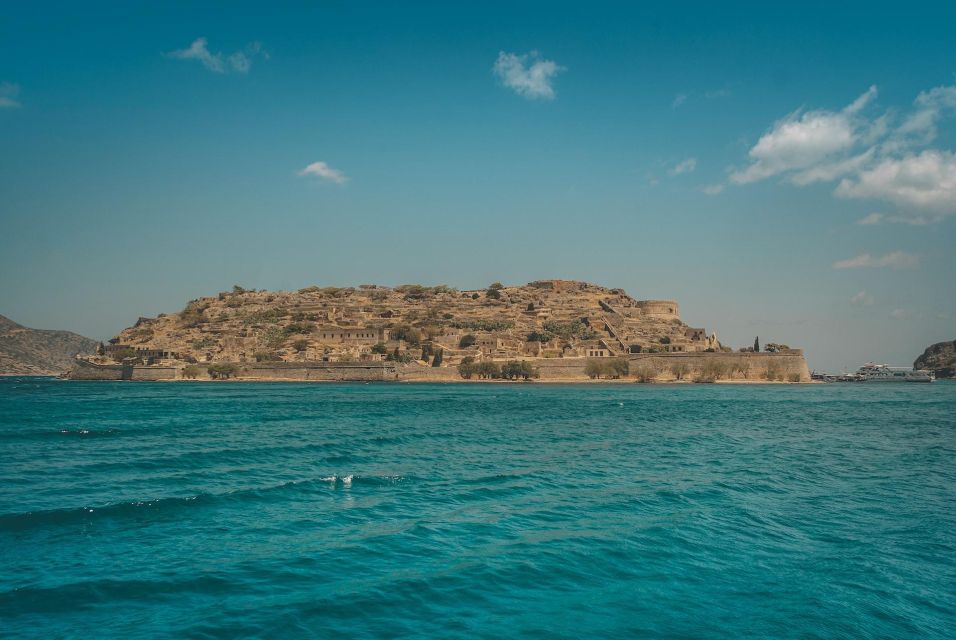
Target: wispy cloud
[806,140]
[896,260]
[236,62]
[713,189]
[684,166]
[869,157]
[322,170]
[529,75]
[872,219]
[681,98]
[9,92]
[862,299]
[902,314]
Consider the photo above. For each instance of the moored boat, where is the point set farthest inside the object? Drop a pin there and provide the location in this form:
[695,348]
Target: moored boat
[872,372]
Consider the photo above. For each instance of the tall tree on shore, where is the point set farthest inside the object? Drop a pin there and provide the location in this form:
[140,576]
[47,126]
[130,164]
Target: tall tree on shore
[757,344]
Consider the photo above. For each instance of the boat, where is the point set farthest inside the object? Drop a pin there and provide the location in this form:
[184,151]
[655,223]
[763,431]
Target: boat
[872,372]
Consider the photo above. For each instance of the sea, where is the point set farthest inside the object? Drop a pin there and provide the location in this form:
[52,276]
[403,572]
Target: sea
[523,510]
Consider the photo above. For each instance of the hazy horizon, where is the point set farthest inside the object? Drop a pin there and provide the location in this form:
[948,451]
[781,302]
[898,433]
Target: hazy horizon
[784,174]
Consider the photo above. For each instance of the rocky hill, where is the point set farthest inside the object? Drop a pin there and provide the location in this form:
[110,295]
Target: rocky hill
[33,352]
[941,358]
[549,318]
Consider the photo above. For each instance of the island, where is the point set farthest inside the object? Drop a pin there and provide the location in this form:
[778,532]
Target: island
[547,330]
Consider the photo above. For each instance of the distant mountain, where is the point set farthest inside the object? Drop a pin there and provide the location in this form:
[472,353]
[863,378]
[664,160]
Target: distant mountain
[37,352]
[941,358]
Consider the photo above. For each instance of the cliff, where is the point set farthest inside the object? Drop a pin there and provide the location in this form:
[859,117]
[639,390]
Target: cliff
[940,358]
[33,352]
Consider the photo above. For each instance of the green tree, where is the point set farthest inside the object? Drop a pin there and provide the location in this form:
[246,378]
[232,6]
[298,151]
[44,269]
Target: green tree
[192,371]
[492,294]
[436,362]
[223,370]
[467,340]
[379,347]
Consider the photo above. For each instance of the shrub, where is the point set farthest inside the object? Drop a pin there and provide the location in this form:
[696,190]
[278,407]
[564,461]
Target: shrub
[192,371]
[483,325]
[569,329]
[467,369]
[274,337]
[644,373]
[298,327]
[794,377]
[204,343]
[593,368]
[399,356]
[493,294]
[539,336]
[436,362]
[496,286]
[713,370]
[773,371]
[192,315]
[407,333]
[266,356]
[665,340]
[680,370]
[618,367]
[121,354]
[475,296]
[379,347]
[223,370]
[467,340]
[300,345]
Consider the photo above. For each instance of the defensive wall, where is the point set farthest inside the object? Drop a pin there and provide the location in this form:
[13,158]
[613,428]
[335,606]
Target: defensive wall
[787,366]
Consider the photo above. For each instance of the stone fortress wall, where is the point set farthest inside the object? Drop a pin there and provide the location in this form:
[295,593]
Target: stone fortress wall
[788,366]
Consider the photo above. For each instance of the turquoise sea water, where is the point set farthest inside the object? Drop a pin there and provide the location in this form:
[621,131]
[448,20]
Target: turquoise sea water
[138,510]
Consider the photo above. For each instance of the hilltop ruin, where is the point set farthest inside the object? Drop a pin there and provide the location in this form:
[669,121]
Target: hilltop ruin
[406,328]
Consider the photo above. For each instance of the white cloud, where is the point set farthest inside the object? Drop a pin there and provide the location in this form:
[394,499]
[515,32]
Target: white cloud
[9,92]
[684,166]
[713,189]
[679,99]
[871,158]
[925,182]
[324,171]
[804,140]
[528,75]
[930,106]
[872,219]
[896,259]
[901,314]
[237,62]
[862,298]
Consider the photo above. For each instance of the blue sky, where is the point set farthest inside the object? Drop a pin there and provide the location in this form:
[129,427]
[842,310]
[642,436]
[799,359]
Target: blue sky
[787,172]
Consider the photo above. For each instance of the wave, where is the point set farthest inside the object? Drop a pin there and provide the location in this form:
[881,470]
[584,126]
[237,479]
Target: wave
[163,507]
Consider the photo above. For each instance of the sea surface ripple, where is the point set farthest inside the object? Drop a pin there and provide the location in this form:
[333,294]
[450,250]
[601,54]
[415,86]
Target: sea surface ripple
[234,510]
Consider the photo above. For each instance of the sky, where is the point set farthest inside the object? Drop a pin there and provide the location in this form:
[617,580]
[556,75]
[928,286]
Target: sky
[783,172]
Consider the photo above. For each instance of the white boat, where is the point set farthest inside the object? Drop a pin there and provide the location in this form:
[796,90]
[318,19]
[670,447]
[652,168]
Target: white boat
[871,372]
